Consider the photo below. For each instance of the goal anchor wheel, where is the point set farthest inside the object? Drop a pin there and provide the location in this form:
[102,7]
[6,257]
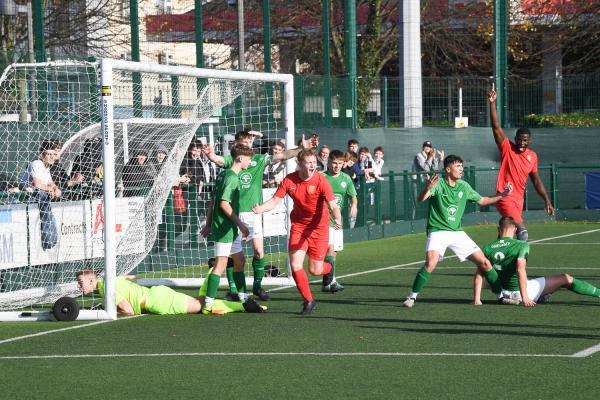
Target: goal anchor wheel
[65,309]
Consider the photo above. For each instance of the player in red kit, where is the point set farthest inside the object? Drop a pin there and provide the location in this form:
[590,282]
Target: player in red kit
[309,234]
[517,162]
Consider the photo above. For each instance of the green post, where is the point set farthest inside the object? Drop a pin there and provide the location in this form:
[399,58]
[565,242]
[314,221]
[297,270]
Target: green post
[363,204]
[41,83]
[392,197]
[299,101]
[170,222]
[326,63]
[38,31]
[406,195]
[175,111]
[384,106]
[199,33]
[378,212]
[501,59]
[136,77]
[554,184]
[350,56]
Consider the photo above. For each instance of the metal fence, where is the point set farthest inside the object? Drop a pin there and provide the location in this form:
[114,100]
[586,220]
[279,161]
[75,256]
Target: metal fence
[440,96]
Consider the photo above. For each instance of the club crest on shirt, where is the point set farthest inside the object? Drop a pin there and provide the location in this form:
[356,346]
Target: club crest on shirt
[312,189]
[528,157]
[343,184]
[451,210]
[460,195]
[253,163]
[245,179]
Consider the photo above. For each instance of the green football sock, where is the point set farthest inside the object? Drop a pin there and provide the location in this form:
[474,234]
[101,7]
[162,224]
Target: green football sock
[240,280]
[213,285]
[230,279]
[420,280]
[582,287]
[492,277]
[258,267]
[331,261]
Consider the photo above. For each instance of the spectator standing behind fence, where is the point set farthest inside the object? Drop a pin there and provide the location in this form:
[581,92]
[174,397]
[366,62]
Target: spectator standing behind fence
[364,165]
[198,167]
[378,162]
[38,178]
[137,174]
[428,159]
[323,159]
[274,173]
[353,146]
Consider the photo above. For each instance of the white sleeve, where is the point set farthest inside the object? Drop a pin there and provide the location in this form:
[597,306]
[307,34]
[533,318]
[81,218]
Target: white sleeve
[37,170]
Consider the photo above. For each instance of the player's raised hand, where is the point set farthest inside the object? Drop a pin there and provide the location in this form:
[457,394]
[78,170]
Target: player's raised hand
[492,95]
[432,181]
[207,148]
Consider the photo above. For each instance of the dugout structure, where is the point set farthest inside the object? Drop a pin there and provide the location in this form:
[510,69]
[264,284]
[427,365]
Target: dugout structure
[107,117]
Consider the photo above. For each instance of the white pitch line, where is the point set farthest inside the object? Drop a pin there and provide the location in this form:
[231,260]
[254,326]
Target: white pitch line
[14,339]
[587,352]
[291,354]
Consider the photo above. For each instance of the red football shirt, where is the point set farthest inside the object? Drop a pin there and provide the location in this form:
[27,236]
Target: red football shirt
[515,167]
[310,199]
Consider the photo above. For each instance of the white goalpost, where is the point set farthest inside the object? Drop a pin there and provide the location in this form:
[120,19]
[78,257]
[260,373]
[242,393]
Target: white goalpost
[133,192]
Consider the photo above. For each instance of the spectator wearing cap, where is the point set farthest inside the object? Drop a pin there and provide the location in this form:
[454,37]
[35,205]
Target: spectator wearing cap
[137,174]
[428,159]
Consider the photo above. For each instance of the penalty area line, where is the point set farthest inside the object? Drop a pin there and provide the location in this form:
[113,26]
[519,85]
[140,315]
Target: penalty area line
[284,354]
[69,328]
[587,352]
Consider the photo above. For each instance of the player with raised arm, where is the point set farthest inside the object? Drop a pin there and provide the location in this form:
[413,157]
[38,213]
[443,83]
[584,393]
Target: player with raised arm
[133,299]
[309,233]
[222,223]
[447,201]
[517,162]
[251,194]
[342,187]
[509,257]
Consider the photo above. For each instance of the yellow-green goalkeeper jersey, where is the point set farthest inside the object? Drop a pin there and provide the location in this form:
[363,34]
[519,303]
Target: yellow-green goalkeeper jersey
[250,180]
[342,186]
[447,205]
[128,290]
[503,254]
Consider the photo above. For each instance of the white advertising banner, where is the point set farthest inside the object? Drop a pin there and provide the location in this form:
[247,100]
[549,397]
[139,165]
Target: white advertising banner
[72,224]
[13,236]
[274,221]
[127,208]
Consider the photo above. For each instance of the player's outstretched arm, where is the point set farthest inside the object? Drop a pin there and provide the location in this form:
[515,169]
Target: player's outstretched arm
[489,200]
[499,135]
[209,151]
[431,182]
[309,143]
[522,276]
[541,190]
[266,206]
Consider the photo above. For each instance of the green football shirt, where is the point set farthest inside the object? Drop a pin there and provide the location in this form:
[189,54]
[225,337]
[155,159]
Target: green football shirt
[342,186]
[250,180]
[503,254]
[132,292]
[227,188]
[447,205]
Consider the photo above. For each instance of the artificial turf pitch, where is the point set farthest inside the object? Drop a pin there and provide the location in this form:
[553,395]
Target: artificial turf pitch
[359,343]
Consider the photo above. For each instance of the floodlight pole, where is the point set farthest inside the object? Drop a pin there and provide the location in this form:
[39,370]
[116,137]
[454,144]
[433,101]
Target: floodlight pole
[241,50]
[501,59]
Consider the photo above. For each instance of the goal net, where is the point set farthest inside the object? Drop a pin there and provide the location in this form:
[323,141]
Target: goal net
[117,139]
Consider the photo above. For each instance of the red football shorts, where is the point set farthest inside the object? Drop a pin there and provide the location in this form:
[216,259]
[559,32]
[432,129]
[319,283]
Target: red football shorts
[511,207]
[313,241]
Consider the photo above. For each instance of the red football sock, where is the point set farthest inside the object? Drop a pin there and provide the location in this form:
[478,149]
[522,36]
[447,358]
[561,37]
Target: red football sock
[326,267]
[302,284]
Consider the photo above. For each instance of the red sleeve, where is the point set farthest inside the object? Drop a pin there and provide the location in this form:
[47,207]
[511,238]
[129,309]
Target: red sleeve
[504,147]
[283,188]
[326,189]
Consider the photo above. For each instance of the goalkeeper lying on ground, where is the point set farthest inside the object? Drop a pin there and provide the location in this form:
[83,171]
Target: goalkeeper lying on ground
[133,299]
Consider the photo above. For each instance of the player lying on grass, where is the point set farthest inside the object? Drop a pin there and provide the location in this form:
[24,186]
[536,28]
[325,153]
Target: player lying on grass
[447,201]
[309,233]
[133,299]
[509,257]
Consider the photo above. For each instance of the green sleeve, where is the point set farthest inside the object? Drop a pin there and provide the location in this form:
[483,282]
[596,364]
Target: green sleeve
[231,184]
[227,161]
[351,191]
[524,251]
[472,195]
